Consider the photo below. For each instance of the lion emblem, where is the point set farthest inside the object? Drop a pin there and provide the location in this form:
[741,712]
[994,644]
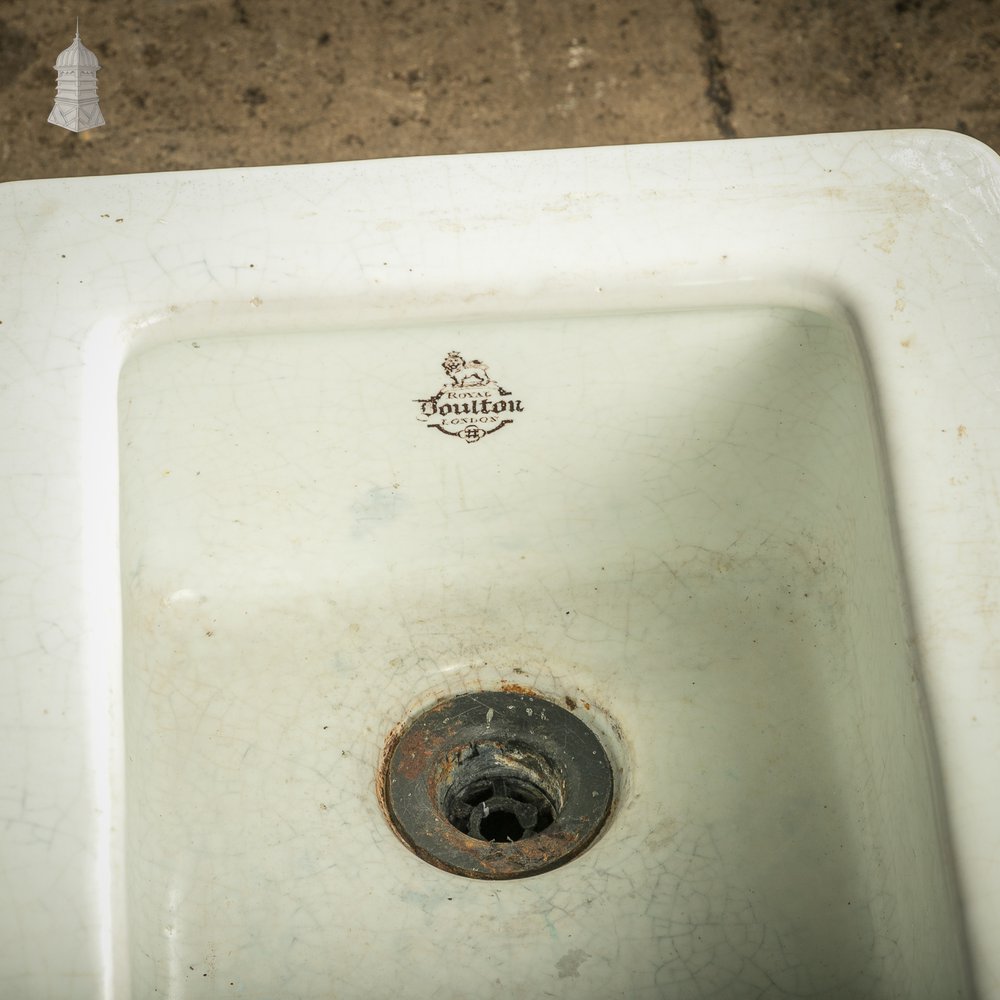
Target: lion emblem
[465,374]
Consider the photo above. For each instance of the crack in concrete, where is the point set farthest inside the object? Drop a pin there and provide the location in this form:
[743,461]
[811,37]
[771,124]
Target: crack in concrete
[717,89]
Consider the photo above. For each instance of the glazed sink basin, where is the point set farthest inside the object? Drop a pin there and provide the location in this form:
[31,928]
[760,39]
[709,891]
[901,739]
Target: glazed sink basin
[705,556]
[698,441]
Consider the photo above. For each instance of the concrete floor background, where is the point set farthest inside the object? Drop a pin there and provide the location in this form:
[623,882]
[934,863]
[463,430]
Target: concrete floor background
[218,83]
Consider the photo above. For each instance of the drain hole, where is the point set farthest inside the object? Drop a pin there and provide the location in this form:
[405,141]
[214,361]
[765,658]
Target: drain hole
[499,792]
[497,785]
[499,807]
[502,826]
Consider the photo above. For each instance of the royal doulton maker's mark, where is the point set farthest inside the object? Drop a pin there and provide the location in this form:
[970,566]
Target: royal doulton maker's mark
[472,405]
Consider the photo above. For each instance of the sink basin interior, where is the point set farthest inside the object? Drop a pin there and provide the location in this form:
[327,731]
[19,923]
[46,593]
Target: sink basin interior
[685,532]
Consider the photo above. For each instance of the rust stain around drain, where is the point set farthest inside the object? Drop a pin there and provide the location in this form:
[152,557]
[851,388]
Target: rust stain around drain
[417,752]
[382,775]
[511,688]
[497,861]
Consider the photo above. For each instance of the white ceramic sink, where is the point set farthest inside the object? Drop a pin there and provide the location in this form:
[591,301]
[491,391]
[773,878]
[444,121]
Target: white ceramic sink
[698,440]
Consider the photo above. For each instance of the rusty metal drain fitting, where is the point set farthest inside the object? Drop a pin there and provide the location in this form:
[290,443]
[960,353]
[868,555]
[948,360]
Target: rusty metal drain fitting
[496,785]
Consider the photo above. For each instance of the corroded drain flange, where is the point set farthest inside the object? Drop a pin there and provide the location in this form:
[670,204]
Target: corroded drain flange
[497,785]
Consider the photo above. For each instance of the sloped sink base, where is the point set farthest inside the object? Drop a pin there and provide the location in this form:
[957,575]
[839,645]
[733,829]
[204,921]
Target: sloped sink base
[683,532]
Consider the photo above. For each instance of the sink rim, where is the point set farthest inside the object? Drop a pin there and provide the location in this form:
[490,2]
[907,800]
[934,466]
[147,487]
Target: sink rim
[737,218]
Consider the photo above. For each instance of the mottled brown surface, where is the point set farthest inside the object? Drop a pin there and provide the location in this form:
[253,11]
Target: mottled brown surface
[218,83]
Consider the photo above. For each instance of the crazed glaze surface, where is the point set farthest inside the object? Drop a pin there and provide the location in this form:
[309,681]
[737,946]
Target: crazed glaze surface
[746,512]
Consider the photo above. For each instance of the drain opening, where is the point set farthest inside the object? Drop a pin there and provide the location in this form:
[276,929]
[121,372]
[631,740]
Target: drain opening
[497,785]
[500,792]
